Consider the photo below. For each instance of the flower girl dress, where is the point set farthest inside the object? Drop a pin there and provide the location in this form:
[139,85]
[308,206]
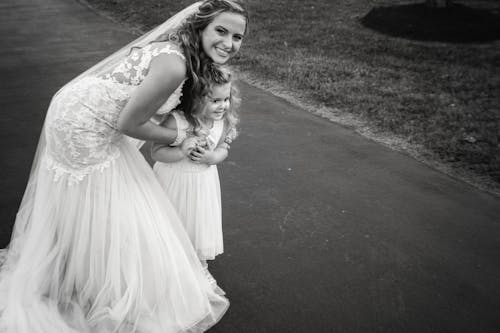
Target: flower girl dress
[194,189]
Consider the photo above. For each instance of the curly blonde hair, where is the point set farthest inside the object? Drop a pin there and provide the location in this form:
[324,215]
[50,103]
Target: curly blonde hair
[216,75]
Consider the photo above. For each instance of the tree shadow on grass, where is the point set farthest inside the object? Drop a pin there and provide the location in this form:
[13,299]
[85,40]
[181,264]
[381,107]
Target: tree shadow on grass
[456,24]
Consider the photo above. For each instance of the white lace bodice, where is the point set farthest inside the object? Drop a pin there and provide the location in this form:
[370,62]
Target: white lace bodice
[80,127]
[135,67]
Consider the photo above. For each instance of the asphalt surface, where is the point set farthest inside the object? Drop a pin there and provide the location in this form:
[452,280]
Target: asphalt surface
[325,231]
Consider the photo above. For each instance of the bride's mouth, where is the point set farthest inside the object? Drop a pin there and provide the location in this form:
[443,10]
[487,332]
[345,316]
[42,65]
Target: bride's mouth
[221,52]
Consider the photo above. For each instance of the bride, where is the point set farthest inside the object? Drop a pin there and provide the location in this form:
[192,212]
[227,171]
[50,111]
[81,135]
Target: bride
[97,246]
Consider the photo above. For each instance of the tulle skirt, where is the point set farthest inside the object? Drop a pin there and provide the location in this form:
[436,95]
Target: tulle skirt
[105,254]
[194,190]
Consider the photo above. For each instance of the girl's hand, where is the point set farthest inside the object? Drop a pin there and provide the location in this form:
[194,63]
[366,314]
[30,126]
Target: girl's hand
[188,145]
[200,155]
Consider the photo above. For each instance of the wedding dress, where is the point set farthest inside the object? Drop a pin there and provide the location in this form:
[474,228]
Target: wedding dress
[97,246]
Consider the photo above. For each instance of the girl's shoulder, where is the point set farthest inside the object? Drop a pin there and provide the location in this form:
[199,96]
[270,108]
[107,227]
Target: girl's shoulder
[178,114]
[179,118]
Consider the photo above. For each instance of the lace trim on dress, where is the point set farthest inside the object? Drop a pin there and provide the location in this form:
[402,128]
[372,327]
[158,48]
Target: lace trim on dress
[133,69]
[172,101]
[182,126]
[74,176]
[181,136]
[169,50]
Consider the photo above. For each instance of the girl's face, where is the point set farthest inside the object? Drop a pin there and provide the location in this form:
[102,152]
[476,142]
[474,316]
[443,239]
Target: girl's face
[217,102]
[222,38]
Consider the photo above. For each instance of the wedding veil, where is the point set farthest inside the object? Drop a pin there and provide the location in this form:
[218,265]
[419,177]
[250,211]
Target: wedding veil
[170,25]
[22,223]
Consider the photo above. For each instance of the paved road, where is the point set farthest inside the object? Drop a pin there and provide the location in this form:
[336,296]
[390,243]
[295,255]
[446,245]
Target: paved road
[325,231]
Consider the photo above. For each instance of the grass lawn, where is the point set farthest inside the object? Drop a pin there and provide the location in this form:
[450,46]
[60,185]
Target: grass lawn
[430,77]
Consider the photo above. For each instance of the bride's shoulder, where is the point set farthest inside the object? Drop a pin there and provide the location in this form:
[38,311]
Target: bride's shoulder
[173,64]
[166,47]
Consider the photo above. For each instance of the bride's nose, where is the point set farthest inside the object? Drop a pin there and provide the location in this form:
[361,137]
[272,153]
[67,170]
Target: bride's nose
[227,43]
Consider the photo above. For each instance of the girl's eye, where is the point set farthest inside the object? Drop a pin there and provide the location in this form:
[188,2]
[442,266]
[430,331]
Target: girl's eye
[220,31]
[237,38]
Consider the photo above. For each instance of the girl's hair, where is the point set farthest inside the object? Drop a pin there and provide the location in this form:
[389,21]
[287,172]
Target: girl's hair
[189,37]
[217,75]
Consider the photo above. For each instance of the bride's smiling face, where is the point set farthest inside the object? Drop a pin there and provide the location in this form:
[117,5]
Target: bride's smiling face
[221,39]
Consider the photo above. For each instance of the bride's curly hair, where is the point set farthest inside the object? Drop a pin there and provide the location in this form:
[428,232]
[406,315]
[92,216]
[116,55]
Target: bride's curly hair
[188,37]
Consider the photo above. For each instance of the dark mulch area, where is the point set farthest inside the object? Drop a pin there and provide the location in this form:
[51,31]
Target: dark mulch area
[456,23]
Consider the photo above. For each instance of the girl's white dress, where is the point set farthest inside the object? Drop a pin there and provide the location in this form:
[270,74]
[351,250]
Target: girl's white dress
[97,246]
[194,189]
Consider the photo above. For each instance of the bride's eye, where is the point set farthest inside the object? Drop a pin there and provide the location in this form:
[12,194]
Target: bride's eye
[221,30]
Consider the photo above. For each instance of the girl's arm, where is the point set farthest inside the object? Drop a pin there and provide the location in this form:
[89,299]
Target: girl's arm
[166,73]
[164,153]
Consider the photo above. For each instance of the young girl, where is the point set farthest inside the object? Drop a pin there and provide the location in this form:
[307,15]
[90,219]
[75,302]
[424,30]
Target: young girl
[187,168]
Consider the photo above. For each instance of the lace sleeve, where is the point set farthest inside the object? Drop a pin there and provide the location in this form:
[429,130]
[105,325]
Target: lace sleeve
[135,67]
[168,49]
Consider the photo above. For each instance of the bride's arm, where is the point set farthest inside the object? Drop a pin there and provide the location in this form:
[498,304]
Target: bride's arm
[166,73]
